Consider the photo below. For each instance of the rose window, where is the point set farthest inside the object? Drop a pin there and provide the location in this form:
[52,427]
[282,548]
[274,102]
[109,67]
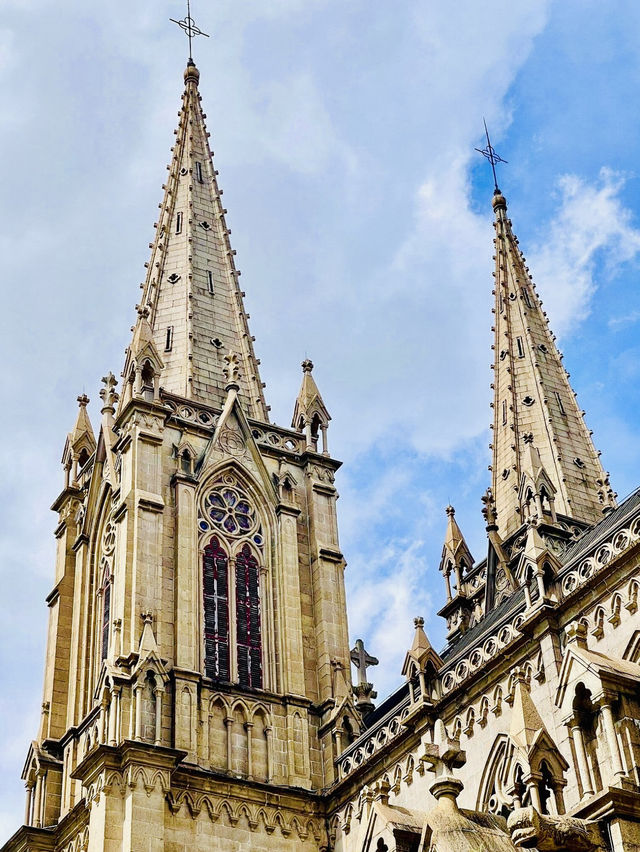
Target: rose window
[227,508]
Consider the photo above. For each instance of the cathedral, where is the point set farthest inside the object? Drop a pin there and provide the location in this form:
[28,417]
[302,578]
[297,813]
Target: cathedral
[198,688]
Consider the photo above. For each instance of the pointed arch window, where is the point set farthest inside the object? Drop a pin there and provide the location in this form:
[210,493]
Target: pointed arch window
[106,615]
[216,611]
[249,645]
[232,584]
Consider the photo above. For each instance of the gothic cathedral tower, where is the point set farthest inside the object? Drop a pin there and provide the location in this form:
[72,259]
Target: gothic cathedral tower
[197,675]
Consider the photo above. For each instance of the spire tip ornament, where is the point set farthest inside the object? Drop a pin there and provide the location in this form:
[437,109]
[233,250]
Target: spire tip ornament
[189,28]
[493,157]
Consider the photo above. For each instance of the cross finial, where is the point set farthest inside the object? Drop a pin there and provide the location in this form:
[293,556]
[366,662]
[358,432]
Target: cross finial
[83,400]
[231,370]
[188,26]
[108,393]
[362,660]
[490,153]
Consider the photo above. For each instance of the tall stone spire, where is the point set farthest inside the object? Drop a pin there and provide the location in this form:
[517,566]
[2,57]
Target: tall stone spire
[544,460]
[191,300]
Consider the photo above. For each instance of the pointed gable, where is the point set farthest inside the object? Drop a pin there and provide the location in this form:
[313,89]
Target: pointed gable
[455,552]
[421,652]
[309,402]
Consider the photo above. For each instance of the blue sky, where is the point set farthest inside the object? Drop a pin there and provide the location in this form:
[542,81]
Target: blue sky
[344,135]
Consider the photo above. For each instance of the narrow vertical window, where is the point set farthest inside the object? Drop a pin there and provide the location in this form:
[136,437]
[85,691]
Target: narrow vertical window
[216,611]
[210,281]
[199,172]
[178,223]
[504,412]
[520,347]
[501,302]
[526,297]
[249,644]
[106,616]
[560,405]
[168,343]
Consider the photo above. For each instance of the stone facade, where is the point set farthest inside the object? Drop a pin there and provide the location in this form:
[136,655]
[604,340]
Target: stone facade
[197,688]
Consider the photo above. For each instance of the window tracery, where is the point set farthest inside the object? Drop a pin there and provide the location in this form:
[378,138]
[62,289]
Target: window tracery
[104,583]
[230,528]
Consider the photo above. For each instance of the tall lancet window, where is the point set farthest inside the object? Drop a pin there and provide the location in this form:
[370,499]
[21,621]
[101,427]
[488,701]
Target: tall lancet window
[216,611]
[105,573]
[232,539]
[249,646]
[106,615]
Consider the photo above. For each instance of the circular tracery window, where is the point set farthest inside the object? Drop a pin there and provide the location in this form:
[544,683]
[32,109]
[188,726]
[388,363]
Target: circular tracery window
[227,508]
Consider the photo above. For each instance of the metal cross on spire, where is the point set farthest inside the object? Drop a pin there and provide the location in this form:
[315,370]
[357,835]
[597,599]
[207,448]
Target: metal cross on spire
[188,26]
[490,153]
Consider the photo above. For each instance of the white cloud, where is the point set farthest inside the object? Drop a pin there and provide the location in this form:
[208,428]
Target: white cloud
[591,233]
[389,591]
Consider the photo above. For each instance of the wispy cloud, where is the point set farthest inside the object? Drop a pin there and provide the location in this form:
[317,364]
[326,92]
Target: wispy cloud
[616,323]
[592,233]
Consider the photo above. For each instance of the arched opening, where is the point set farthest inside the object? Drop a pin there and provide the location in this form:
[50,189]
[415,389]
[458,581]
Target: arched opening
[546,789]
[106,614]
[248,632]
[147,378]
[586,714]
[315,430]
[186,462]
[215,575]
[545,501]
[350,735]
[83,458]
[520,792]
[528,503]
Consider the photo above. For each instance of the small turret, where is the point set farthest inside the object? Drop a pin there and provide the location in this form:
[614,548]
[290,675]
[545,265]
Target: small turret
[80,444]
[421,665]
[310,414]
[457,560]
[144,364]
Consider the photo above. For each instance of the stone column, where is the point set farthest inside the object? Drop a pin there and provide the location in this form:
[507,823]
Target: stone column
[534,793]
[37,807]
[139,691]
[104,715]
[423,685]
[581,757]
[447,579]
[113,716]
[229,726]
[158,692]
[248,726]
[28,806]
[338,739]
[540,582]
[267,733]
[612,737]
[325,442]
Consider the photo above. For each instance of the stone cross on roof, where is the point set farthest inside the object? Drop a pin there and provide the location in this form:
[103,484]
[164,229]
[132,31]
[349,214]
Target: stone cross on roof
[362,660]
[442,756]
